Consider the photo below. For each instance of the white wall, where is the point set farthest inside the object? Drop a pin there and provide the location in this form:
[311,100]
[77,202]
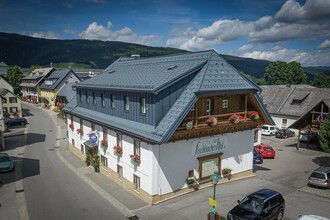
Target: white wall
[290,121]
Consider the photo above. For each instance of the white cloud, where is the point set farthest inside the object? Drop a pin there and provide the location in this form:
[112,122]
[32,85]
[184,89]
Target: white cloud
[100,32]
[292,11]
[47,35]
[69,31]
[324,45]
[245,47]
[314,58]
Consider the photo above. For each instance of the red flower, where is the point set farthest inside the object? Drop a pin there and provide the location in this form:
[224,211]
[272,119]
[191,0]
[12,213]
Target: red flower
[135,158]
[104,143]
[80,131]
[71,126]
[118,149]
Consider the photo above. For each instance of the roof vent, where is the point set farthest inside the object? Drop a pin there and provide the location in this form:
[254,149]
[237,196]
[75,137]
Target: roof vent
[172,67]
[135,56]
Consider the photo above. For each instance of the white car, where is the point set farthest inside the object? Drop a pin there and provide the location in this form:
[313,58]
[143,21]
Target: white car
[268,130]
[312,217]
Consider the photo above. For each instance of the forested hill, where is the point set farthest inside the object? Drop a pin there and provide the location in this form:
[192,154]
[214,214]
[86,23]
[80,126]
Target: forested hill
[26,51]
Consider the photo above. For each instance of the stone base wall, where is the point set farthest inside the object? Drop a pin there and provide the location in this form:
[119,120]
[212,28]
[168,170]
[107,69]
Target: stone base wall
[155,199]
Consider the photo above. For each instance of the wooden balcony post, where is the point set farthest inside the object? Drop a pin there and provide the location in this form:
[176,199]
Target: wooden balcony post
[245,107]
[196,116]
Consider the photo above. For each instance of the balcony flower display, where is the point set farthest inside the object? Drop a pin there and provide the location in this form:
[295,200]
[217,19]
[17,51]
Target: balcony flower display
[118,150]
[212,121]
[135,159]
[104,143]
[71,126]
[235,118]
[190,124]
[80,131]
[253,115]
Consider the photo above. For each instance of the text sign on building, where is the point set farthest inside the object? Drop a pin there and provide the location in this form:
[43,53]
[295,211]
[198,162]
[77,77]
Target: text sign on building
[207,146]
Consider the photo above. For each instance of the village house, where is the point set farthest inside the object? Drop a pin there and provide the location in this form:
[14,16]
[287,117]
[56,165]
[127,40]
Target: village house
[161,126]
[54,83]
[31,84]
[289,103]
[11,104]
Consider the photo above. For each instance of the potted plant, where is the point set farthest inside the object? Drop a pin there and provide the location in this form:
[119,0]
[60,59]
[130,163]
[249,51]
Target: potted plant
[190,125]
[216,216]
[135,159]
[235,118]
[80,131]
[88,159]
[71,126]
[104,143]
[192,182]
[212,121]
[96,163]
[226,171]
[253,115]
[118,150]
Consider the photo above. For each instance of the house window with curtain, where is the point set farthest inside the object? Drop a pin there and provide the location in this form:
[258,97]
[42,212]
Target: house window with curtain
[13,109]
[104,162]
[137,148]
[102,100]
[209,106]
[284,122]
[224,103]
[126,103]
[143,105]
[112,100]
[3,100]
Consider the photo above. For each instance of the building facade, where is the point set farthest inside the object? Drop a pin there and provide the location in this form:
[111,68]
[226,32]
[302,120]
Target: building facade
[11,104]
[156,123]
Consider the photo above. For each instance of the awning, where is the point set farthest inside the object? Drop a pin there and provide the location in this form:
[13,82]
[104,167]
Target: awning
[90,145]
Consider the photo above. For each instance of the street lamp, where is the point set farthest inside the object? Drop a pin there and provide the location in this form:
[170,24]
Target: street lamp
[214,179]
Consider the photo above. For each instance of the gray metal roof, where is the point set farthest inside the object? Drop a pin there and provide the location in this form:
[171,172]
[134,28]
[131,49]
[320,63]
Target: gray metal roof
[39,73]
[67,91]
[58,76]
[214,75]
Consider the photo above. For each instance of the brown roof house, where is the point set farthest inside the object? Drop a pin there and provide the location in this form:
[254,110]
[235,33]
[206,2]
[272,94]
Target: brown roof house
[289,103]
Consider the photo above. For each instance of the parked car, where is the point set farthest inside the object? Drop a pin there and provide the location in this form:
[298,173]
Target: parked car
[265,150]
[311,138]
[6,164]
[15,121]
[284,133]
[268,130]
[320,177]
[257,158]
[312,217]
[263,204]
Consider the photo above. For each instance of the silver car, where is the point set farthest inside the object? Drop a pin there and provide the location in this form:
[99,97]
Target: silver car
[320,177]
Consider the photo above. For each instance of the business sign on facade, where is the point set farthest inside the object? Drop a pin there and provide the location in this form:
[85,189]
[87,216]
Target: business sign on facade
[209,146]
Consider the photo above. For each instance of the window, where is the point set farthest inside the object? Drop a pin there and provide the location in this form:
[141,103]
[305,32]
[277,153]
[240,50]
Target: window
[119,140]
[112,100]
[143,105]
[137,148]
[86,94]
[104,161]
[4,109]
[105,134]
[3,100]
[93,126]
[72,141]
[80,96]
[136,181]
[284,122]
[81,124]
[102,100]
[224,103]
[209,106]
[94,99]
[126,103]
[120,172]
[191,173]
[12,100]
[13,109]
[209,164]
[296,102]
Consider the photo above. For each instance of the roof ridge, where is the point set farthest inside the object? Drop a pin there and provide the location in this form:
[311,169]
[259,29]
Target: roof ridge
[206,67]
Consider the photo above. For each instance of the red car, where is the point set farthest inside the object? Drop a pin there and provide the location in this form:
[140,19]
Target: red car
[265,150]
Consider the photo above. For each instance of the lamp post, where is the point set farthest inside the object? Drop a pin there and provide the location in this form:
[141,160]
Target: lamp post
[214,179]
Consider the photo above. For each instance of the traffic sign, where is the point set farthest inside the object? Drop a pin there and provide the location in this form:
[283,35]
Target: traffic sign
[213,202]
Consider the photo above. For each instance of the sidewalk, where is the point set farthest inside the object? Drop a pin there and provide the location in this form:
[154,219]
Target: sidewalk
[111,191]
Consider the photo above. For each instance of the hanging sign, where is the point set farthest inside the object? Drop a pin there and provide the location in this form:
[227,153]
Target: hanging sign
[93,137]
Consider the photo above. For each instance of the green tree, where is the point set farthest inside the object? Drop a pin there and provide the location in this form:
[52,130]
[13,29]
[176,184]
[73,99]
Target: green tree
[33,67]
[14,77]
[324,135]
[281,73]
[261,81]
[321,81]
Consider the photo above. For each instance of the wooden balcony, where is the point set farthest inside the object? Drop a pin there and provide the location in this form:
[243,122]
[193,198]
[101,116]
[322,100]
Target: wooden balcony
[223,125]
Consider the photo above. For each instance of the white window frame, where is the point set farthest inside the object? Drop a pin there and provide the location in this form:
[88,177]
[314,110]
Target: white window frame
[143,105]
[225,103]
[136,182]
[137,148]
[208,106]
[126,103]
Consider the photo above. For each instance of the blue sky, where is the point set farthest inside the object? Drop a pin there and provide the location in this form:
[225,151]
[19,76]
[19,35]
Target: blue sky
[292,30]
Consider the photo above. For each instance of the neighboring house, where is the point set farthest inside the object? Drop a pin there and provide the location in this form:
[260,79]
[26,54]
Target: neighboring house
[11,104]
[287,103]
[31,84]
[3,68]
[154,122]
[54,83]
[5,85]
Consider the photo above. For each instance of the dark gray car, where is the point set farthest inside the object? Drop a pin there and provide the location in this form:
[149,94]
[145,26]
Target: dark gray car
[320,177]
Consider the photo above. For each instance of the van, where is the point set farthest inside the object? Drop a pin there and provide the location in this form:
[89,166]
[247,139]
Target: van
[268,130]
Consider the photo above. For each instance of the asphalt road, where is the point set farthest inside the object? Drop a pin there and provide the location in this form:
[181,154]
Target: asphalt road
[51,190]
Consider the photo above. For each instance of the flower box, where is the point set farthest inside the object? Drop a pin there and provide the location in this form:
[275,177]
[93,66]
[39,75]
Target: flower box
[226,171]
[192,182]
[235,118]
[104,143]
[253,115]
[80,131]
[135,159]
[212,121]
[71,126]
[118,150]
